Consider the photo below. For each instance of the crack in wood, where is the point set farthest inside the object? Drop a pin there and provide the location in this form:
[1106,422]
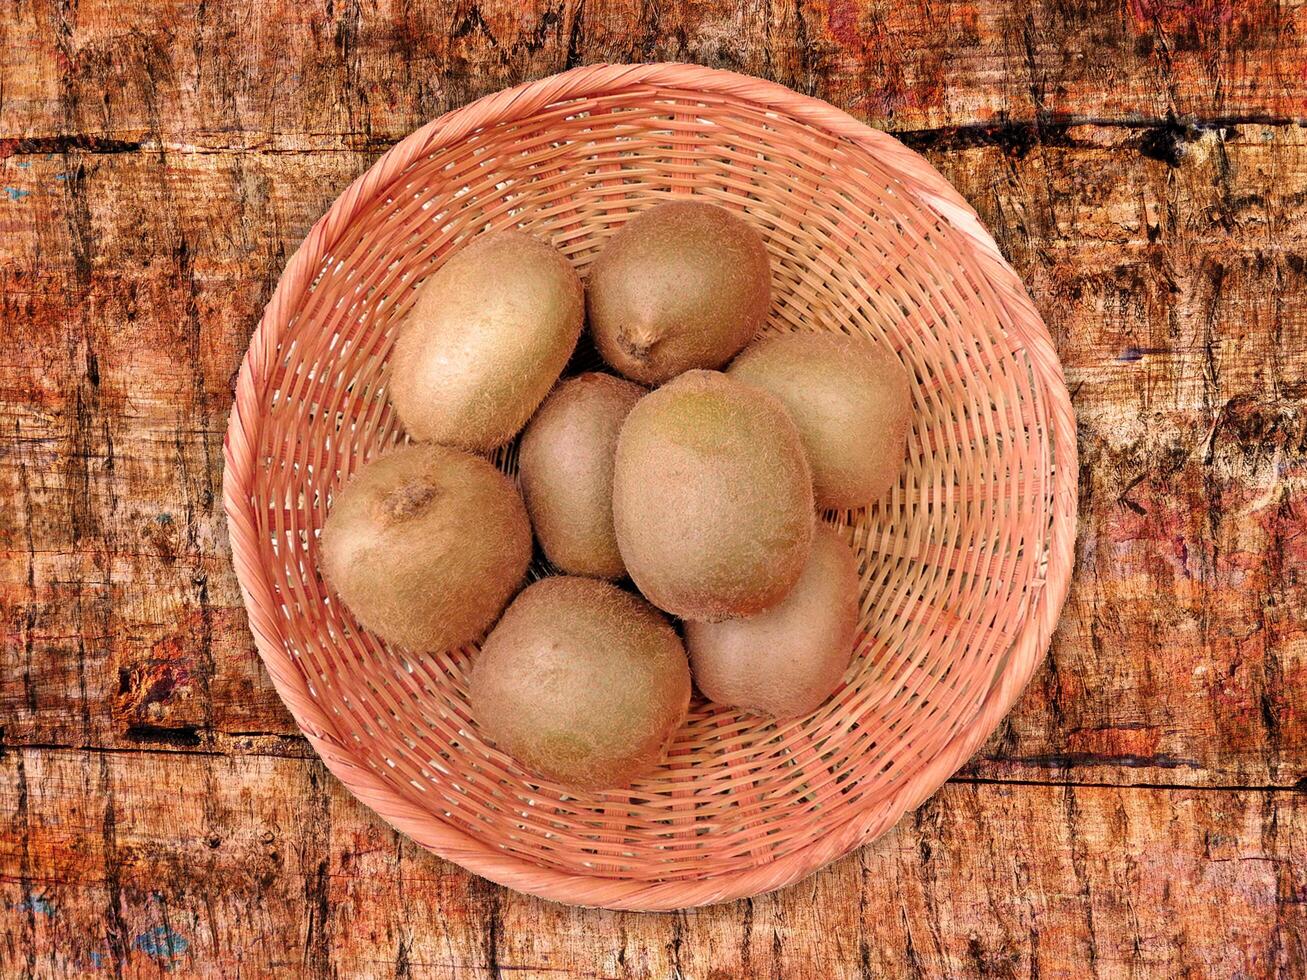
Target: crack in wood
[175,743]
[1160,138]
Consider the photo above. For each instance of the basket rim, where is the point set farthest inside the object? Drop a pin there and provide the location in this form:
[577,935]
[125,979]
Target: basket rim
[240,447]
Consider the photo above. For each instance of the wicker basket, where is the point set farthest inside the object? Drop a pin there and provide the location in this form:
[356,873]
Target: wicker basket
[964,566]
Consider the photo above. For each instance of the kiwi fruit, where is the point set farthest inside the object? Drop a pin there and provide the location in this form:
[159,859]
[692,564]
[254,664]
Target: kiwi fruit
[787,660]
[425,545]
[712,499]
[485,340]
[852,402]
[581,682]
[565,466]
[683,285]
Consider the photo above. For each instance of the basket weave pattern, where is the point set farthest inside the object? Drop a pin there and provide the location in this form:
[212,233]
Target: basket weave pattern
[964,565]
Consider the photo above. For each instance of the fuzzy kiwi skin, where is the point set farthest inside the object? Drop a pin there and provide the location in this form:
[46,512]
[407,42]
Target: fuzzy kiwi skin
[852,402]
[712,498]
[485,340]
[425,545]
[565,466]
[787,660]
[581,682]
[683,285]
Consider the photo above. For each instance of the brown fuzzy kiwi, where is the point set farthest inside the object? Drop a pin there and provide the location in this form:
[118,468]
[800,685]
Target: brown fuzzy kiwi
[425,545]
[787,660]
[684,285]
[565,464]
[581,682]
[852,402]
[485,340]
[712,499]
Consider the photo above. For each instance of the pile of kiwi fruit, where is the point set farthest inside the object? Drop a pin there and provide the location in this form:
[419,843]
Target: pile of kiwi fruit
[678,499]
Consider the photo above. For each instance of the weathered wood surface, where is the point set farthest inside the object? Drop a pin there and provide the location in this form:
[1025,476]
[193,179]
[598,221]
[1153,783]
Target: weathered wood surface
[360,72]
[267,866]
[1140,163]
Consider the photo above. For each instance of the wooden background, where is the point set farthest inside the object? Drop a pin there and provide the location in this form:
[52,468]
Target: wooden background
[1143,812]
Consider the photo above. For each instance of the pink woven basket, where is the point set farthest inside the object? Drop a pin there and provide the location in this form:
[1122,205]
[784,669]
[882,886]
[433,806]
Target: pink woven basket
[964,566]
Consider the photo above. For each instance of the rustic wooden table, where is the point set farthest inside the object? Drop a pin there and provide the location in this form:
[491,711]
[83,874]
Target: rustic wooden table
[1143,812]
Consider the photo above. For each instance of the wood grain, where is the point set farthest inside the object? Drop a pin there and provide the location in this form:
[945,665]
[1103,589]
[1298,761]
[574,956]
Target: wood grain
[266,867]
[1141,812]
[353,73]
[1175,292]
